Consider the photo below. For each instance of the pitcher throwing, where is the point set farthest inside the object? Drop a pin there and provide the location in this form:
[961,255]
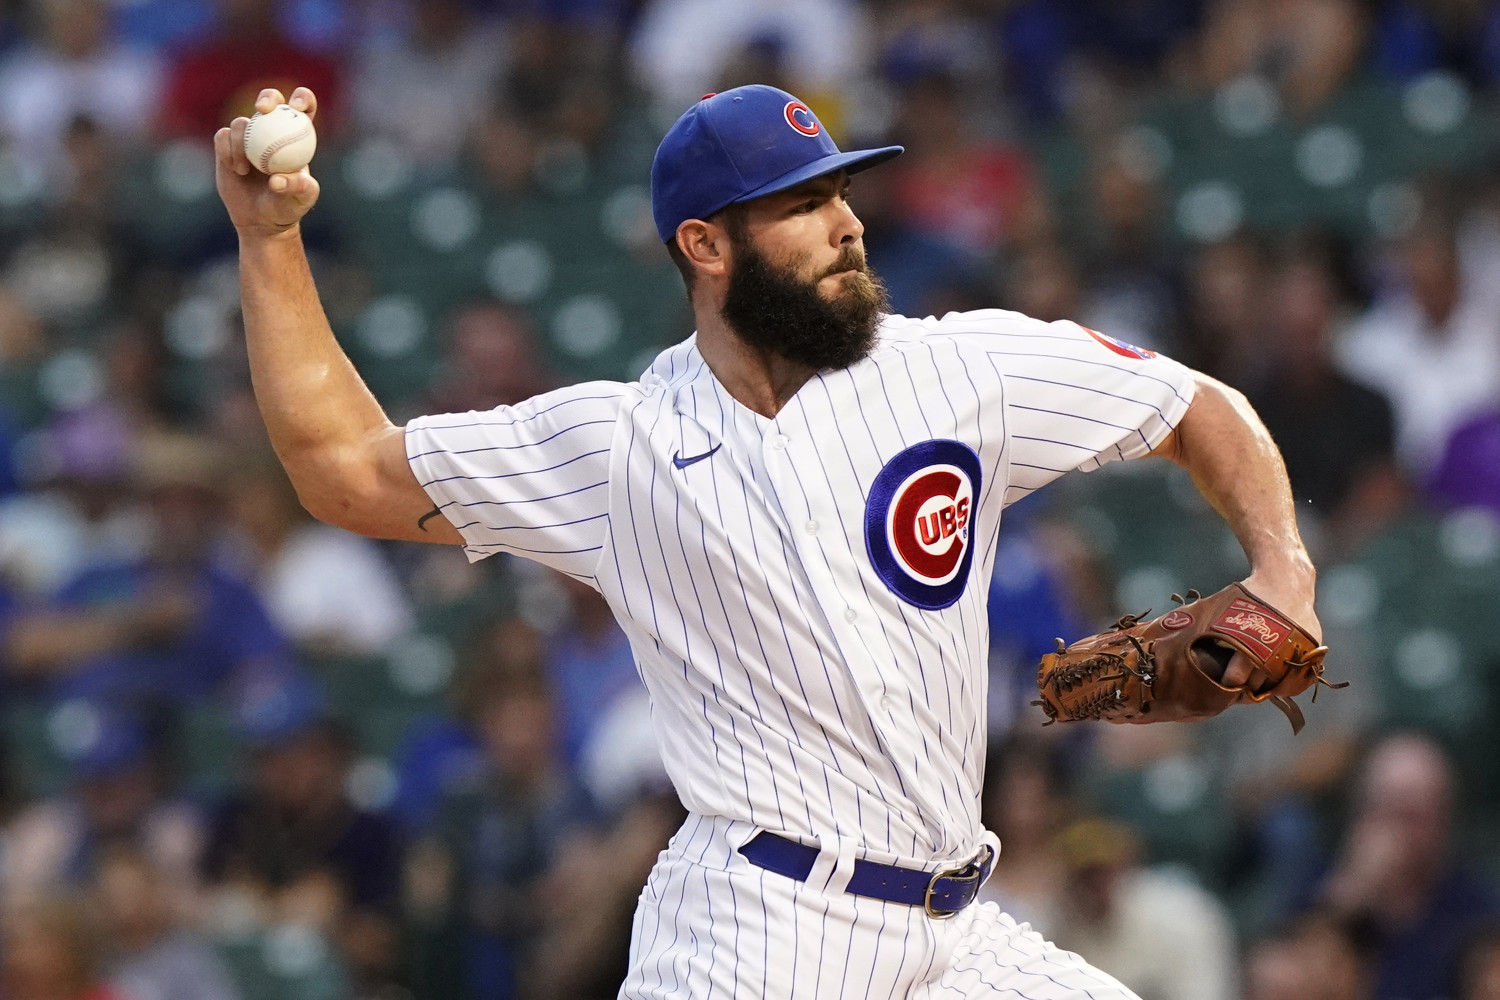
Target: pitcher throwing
[793,514]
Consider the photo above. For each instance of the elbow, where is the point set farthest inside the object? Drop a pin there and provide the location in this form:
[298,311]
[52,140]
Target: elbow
[341,508]
[1209,392]
[334,490]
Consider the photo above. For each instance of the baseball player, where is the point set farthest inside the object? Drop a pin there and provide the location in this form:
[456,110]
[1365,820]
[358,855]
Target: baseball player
[793,514]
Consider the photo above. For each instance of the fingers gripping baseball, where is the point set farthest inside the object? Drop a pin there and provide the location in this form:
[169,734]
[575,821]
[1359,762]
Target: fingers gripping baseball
[257,202]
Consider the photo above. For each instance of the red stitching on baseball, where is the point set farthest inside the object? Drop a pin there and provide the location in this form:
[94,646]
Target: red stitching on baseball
[275,146]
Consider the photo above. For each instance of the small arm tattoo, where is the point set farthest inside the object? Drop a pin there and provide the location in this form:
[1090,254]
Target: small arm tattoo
[422,521]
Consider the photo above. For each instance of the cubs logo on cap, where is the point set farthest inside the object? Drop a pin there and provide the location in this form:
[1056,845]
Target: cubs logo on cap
[800,117]
[919,522]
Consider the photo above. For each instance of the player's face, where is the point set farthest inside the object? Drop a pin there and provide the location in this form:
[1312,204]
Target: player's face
[800,286]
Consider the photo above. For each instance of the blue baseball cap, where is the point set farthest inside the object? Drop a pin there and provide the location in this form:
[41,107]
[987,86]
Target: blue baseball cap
[742,144]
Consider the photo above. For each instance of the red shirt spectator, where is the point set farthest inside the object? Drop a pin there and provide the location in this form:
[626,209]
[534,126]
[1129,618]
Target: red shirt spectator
[971,193]
[212,82]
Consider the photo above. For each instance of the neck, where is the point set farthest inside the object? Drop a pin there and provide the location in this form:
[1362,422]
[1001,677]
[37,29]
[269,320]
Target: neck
[762,381]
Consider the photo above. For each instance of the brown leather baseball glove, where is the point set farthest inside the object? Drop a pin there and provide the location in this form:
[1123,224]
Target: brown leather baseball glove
[1168,669]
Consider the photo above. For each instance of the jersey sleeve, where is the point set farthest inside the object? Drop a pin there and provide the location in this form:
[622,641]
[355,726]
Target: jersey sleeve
[1075,398]
[530,479]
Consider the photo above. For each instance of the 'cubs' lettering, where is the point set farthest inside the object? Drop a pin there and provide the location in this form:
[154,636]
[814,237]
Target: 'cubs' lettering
[917,522]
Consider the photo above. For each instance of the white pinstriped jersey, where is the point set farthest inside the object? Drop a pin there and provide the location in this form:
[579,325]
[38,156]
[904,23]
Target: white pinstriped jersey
[805,594]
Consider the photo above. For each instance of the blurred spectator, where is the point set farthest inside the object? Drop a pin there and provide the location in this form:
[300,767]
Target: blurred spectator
[1129,271]
[1315,958]
[1029,607]
[294,845]
[588,900]
[150,955]
[1335,434]
[1051,45]
[443,757]
[1412,37]
[48,951]
[214,80]
[21,340]
[1396,869]
[1307,48]
[1432,346]
[1044,284]
[680,48]
[1026,803]
[491,357]
[621,763]
[1155,930]
[117,797]
[167,628]
[65,266]
[1225,313]
[294,821]
[330,592]
[1136,39]
[1279,789]
[80,512]
[422,89]
[1468,473]
[914,38]
[1478,975]
[503,148]
[75,71]
[499,838]
[589,665]
[976,194]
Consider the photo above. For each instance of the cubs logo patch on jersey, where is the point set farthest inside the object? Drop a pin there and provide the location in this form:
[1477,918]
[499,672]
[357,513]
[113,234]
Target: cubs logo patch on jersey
[1121,348]
[919,522]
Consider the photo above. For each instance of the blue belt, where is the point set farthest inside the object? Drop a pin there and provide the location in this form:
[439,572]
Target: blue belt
[941,894]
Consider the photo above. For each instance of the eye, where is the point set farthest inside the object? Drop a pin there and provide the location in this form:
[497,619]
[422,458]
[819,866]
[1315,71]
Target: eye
[805,207]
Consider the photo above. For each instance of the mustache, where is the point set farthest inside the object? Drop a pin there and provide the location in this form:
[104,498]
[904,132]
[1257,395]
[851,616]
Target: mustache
[851,259]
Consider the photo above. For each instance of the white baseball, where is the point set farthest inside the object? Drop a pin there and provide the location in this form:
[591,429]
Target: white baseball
[280,141]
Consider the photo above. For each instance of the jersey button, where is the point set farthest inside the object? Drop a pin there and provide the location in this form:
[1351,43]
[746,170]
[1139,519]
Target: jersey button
[779,442]
[888,703]
[812,527]
[850,614]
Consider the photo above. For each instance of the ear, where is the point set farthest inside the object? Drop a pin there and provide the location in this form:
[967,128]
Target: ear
[705,245]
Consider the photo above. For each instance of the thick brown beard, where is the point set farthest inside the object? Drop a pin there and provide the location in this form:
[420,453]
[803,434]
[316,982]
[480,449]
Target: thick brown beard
[771,307]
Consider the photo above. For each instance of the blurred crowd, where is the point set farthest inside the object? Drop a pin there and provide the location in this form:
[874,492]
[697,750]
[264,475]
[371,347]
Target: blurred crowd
[246,755]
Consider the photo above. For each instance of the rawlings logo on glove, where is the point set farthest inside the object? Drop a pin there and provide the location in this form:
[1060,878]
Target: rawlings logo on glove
[1168,669]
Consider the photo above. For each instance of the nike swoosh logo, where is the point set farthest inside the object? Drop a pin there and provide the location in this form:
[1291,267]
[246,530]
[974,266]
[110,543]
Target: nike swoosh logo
[683,463]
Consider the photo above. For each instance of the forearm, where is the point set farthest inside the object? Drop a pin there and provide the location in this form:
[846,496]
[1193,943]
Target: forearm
[1237,467]
[320,415]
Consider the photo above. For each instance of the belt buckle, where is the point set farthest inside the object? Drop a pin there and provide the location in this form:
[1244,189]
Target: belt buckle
[971,872]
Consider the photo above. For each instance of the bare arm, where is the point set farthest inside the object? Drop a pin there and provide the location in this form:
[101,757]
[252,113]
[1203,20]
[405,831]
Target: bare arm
[1237,467]
[343,455]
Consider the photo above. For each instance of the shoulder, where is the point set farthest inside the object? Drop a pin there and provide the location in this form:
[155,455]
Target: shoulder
[583,402]
[1022,339]
[897,329]
[679,361]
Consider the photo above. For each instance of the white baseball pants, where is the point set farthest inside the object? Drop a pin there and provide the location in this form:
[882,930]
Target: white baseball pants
[710,924]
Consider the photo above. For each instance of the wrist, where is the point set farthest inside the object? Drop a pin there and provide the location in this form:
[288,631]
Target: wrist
[1292,566]
[269,235]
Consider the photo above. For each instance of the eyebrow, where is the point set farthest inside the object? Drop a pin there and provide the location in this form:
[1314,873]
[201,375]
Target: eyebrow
[823,185]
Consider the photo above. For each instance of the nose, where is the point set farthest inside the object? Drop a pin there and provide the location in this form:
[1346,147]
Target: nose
[848,229]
